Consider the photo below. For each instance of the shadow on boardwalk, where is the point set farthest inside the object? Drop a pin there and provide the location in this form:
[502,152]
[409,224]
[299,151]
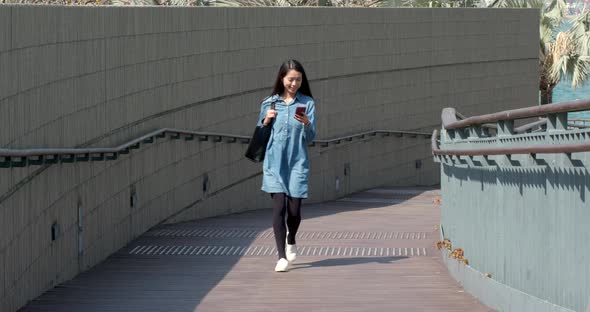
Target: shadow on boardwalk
[346,261]
[372,251]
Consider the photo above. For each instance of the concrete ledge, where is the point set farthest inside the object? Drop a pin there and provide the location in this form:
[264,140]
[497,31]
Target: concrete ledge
[495,295]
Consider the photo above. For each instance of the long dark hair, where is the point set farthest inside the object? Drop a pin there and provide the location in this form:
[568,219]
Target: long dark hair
[279,88]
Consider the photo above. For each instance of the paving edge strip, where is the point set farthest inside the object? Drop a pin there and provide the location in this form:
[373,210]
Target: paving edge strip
[262,251]
[307,235]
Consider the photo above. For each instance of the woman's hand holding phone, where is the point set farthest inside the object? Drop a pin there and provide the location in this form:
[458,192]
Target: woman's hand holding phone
[300,115]
[300,110]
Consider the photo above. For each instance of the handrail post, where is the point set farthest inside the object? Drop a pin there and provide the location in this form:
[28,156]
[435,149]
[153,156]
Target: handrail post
[477,132]
[446,135]
[557,122]
[462,133]
[505,127]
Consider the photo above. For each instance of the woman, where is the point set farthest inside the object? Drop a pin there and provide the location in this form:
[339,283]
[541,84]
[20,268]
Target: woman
[286,164]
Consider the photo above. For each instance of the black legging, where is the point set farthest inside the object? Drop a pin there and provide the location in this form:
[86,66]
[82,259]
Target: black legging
[293,208]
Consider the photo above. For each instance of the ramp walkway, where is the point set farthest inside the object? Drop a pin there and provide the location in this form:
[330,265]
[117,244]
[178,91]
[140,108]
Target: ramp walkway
[371,251]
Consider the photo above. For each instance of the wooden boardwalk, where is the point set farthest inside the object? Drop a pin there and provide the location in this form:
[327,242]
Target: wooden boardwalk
[371,251]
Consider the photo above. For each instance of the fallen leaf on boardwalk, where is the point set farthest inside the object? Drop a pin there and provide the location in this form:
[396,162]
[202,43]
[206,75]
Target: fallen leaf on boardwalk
[444,244]
[458,254]
[447,244]
[437,200]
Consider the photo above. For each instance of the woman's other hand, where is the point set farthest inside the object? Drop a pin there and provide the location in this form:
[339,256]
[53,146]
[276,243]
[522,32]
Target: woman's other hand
[270,114]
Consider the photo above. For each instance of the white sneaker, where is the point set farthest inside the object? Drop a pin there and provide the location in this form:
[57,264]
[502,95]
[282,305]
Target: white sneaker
[282,265]
[291,252]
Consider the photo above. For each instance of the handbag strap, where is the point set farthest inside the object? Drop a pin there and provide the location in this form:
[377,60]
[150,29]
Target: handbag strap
[272,106]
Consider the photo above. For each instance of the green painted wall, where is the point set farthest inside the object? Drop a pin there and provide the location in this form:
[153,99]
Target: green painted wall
[523,222]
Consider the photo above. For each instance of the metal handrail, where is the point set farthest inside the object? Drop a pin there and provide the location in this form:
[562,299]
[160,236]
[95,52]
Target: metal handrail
[53,155]
[531,126]
[579,122]
[369,133]
[450,121]
[575,125]
[538,149]
[450,115]
[580,119]
[147,138]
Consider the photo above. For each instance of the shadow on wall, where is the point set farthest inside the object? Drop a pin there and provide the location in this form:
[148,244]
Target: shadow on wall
[539,177]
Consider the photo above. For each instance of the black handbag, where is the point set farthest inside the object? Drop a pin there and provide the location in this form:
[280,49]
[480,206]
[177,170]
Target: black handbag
[259,141]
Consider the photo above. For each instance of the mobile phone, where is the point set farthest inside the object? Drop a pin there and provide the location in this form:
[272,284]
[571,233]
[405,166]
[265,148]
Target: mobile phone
[300,110]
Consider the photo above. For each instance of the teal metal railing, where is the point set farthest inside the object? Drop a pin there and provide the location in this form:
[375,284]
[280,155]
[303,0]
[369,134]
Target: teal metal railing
[516,200]
[551,134]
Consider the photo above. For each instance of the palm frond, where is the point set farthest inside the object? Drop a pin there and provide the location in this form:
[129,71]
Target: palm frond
[259,3]
[571,67]
[440,3]
[565,62]
[134,2]
[516,4]
[556,11]
[546,29]
[287,3]
[154,2]
[580,71]
[580,32]
[255,3]
[357,3]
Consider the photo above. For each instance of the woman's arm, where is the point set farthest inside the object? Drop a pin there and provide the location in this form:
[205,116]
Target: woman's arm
[310,131]
[267,112]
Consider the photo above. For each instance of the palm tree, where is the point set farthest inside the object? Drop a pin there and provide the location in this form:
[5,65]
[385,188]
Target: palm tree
[574,60]
[563,55]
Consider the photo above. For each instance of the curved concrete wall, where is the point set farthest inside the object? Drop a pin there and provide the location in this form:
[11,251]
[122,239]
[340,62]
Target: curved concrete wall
[523,221]
[99,76]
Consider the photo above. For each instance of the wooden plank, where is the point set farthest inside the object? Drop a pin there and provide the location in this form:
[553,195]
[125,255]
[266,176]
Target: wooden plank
[228,282]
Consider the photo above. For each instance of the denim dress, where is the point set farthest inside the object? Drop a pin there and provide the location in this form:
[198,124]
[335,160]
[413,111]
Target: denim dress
[286,164]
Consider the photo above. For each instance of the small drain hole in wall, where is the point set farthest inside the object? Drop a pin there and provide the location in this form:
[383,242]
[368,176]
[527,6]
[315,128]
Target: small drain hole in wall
[54,231]
[133,198]
[205,183]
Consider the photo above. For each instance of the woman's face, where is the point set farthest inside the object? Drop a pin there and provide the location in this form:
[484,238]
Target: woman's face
[292,81]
